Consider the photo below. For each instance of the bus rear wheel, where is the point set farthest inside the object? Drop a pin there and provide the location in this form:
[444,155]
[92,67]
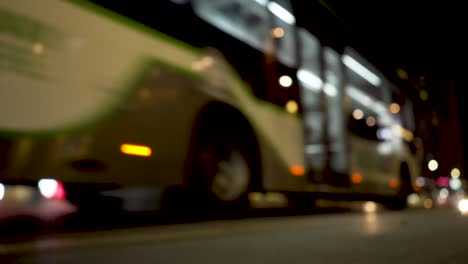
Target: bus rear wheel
[223,170]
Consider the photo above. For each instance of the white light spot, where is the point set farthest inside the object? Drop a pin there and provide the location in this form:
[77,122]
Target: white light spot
[463,206]
[2,191]
[455,184]
[370,207]
[384,133]
[361,70]
[433,165]
[358,114]
[48,187]
[285,81]
[330,89]
[310,80]
[281,13]
[384,148]
[443,193]
[413,199]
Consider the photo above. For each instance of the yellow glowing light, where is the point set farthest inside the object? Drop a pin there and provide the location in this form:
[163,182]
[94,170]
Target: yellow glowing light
[356,177]
[423,95]
[278,32]
[38,48]
[413,199]
[408,135]
[370,207]
[403,132]
[397,129]
[358,114]
[137,150]
[297,170]
[394,108]
[285,81]
[435,121]
[455,173]
[402,74]
[292,107]
[428,203]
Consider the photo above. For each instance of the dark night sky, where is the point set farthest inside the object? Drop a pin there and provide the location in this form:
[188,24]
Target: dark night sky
[423,37]
[418,34]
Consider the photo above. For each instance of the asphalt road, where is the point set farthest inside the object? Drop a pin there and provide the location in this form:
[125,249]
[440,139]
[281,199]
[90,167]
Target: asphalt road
[410,236]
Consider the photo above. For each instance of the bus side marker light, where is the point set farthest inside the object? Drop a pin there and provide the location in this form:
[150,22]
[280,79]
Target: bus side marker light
[297,170]
[135,150]
[393,182]
[356,178]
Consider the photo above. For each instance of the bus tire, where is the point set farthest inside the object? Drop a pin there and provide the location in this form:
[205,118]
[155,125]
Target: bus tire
[223,169]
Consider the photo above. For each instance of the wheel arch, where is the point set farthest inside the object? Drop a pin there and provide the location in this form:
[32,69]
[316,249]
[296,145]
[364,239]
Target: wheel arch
[220,113]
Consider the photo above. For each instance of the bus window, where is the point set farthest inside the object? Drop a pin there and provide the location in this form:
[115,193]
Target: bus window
[246,20]
[250,22]
[280,64]
[309,76]
[333,90]
[369,96]
[309,71]
[283,31]
[402,110]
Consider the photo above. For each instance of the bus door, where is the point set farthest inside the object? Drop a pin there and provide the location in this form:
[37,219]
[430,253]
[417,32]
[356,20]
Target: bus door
[309,75]
[336,133]
[322,101]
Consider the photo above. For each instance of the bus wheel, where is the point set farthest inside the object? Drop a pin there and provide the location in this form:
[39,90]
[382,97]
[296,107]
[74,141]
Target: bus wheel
[223,171]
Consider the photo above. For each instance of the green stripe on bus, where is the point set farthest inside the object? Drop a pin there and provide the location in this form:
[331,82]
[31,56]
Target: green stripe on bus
[107,114]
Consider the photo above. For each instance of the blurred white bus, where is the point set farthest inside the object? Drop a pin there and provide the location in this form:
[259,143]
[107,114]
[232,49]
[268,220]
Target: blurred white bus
[222,98]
